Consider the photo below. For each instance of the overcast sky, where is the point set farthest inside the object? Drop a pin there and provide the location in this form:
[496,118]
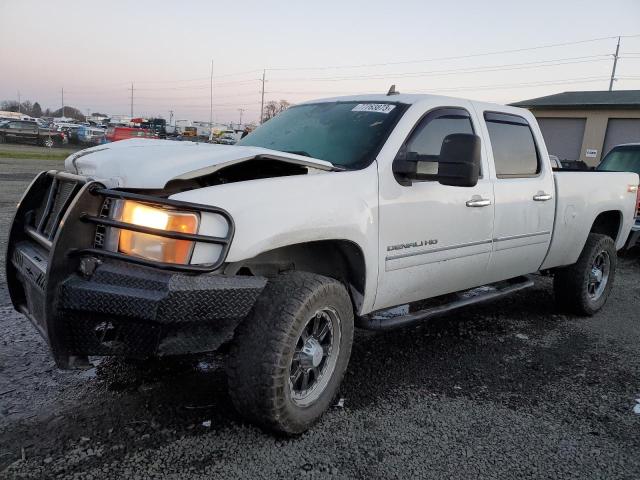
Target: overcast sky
[95,50]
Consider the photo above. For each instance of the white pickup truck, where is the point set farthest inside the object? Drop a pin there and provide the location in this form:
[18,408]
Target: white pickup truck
[329,216]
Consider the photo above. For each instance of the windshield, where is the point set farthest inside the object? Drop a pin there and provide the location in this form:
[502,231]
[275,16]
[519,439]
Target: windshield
[622,159]
[343,133]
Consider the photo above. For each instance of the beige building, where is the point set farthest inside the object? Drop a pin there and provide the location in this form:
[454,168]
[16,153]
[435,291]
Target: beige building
[586,125]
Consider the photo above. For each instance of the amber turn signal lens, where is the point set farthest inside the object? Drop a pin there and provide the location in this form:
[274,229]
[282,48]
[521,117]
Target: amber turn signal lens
[154,247]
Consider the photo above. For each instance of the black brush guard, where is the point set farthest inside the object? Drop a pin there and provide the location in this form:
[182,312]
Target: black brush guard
[92,301]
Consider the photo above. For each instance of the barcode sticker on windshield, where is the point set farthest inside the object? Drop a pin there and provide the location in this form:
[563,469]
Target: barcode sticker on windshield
[373,107]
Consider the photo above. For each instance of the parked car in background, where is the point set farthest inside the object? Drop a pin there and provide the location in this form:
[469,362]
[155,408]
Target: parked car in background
[24,131]
[14,115]
[227,140]
[69,129]
[157,125]
[91,135]
[190,132]
[115,134]
[625,158]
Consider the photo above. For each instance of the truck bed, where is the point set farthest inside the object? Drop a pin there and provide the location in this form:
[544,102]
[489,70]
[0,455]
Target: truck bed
[580,197]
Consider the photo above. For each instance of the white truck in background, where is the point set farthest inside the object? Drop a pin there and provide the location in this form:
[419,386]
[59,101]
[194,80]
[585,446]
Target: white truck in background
[324,218]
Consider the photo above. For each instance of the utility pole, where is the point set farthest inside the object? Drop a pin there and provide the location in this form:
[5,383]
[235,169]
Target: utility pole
[240,122]
[62,93]
[19,103]
[615,63]
[131,99]
[264,72]
[211,99]
[170,116]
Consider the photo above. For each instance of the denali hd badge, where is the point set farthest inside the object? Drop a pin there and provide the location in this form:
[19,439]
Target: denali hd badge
[420,243]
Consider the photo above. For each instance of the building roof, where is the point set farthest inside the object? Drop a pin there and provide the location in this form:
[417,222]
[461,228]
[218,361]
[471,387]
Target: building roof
[585,100]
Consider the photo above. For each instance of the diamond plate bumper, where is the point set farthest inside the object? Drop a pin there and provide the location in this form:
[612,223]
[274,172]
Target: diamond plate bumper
[85,304]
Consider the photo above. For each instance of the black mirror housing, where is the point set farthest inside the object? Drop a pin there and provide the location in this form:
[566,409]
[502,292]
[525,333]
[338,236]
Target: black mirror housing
[458,164]
[459,161]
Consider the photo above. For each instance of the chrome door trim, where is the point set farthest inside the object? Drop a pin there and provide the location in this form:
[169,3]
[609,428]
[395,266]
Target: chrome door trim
[523,235]
[435,250]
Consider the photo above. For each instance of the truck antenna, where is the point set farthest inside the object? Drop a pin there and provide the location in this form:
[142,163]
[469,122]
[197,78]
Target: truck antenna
[392,91]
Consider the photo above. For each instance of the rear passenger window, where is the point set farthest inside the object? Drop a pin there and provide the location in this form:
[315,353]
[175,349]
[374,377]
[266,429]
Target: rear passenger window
[514,148]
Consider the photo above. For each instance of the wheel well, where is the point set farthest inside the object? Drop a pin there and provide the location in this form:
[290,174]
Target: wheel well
[607,223]
[339,259]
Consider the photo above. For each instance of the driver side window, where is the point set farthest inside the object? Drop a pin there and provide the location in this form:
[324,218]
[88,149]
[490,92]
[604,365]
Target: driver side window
[426,140]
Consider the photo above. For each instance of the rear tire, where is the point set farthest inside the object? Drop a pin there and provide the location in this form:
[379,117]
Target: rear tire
[283,371]
[47,142]
[584,287]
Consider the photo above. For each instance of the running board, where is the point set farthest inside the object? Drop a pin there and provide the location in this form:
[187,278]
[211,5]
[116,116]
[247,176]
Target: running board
[387,320]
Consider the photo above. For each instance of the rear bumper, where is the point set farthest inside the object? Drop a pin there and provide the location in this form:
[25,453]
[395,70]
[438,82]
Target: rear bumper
[85,304]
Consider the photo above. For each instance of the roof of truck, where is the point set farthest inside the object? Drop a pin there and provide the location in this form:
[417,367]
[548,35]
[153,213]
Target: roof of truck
[407,98]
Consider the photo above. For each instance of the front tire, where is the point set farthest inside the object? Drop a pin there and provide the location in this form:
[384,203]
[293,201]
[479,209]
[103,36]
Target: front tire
[47,142]
[290,354]
[584,287]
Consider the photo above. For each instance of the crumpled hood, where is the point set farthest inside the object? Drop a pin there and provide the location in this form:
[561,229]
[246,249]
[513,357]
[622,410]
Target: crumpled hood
[146,163]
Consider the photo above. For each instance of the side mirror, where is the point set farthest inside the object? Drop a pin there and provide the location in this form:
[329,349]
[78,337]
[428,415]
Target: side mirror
[457,165]
[459,162]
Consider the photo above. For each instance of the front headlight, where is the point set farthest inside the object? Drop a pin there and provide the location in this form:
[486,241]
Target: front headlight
[154,247]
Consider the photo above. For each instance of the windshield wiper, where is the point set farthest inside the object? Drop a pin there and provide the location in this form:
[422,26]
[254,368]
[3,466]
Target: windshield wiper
[298,152]
[338,168]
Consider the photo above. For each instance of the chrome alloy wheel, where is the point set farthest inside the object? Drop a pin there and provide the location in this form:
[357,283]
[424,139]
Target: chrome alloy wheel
[599,275]
[315,357]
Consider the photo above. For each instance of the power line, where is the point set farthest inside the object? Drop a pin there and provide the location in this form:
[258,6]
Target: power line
[472,87]
[520,85]
[199,79]
[455,57]
[432,73]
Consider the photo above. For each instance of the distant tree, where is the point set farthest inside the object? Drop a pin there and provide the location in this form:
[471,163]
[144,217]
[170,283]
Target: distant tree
[36,110]
[98,114]
[9,106]
[272,108]
[69,112]
[26,107]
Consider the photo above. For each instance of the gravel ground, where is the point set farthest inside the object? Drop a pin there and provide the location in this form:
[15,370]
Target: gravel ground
[507,390]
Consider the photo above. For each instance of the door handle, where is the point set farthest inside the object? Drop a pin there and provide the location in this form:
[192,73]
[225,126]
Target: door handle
[478,202]
[541,197]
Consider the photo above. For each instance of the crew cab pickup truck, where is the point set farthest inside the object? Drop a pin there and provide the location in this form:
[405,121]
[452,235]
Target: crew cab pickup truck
[24,131]
[326,217]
